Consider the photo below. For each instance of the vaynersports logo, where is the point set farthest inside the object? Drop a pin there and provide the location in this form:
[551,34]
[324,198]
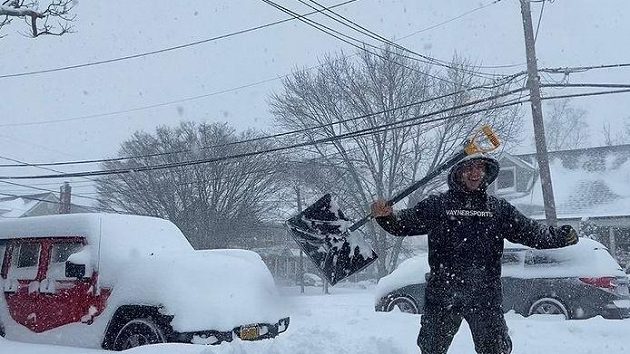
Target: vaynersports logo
[467,212]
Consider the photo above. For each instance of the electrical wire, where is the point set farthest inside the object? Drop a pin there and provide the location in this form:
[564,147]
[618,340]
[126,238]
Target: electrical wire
[50,201]
[348,39]
[588,94]
[131,110]
[144,54]
[85,196]
[367,131]
[279,135]
[593,85]
[362,30]
[141,108]
[579,69]
[542,10]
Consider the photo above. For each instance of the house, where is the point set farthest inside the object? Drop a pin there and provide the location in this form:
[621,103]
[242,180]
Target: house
[19,206]
[589,184]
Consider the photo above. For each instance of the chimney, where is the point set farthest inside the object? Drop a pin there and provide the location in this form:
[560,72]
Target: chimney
[64,198]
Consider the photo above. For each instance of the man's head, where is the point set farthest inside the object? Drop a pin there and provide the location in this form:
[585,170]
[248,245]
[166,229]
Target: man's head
[474,173]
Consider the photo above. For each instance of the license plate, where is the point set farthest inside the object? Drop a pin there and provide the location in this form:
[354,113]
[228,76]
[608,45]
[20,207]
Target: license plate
[249,332]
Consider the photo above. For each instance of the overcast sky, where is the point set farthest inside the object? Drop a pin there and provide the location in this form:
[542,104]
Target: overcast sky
[571,33]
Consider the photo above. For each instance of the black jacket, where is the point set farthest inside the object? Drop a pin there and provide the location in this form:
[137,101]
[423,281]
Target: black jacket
[466,232]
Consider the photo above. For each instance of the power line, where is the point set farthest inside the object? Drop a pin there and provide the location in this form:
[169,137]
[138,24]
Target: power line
[542,10]
[578,69]
[273,136]
[85,196]
[361,132]
[588,94]
[336,34]
[362,30]
[142,108]
[48,201]
[43,168]
[99,115]
[593,85]
[358,133]
[458,17]
[35,72]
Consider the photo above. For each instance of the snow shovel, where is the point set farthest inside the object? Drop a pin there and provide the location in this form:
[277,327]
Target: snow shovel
[328,237]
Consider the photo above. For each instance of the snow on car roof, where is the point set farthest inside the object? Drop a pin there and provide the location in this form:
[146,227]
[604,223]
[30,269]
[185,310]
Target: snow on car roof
[114,239]
[410,271]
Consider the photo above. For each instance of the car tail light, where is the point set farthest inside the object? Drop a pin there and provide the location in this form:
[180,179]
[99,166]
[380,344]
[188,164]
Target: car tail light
[606,283]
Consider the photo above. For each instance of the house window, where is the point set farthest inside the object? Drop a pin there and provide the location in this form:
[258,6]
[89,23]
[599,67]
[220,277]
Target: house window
[506,180]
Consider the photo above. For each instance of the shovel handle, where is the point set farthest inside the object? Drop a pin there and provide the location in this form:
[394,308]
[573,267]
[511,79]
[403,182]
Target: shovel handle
[412,188]
[472,147]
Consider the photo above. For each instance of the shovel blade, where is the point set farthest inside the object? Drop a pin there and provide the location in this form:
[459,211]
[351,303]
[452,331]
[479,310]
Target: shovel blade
[321,232]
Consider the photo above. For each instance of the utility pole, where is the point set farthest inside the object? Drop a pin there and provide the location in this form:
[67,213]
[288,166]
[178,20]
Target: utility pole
[533,83]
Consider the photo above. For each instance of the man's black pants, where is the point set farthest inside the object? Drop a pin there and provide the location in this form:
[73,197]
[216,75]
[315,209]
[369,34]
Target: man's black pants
[486,322]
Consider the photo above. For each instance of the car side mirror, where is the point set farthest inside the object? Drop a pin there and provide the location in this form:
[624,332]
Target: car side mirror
[78,264]
[75,270]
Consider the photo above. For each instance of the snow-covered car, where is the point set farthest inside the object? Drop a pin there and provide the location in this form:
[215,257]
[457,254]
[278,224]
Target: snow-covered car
[311,279]
[578,281]
[120,281]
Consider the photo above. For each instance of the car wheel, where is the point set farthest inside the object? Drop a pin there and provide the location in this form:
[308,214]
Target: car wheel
[403,303]
[548,306]
[137,332]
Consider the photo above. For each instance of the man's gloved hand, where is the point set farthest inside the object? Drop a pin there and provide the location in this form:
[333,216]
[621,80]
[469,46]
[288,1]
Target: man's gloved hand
[570,235]
[381,208]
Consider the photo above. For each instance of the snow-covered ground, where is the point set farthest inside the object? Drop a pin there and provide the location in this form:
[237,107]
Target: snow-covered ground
[345,322]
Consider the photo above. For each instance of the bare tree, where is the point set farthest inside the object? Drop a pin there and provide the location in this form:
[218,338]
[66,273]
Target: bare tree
[382,88]
[565,126]
[214,204]
[51,17]
[617,136]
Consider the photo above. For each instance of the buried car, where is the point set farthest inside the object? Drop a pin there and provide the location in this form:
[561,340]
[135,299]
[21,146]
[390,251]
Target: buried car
[578,281]
[121,281]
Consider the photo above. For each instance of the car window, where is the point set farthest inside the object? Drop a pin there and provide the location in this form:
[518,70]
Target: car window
[59,254]
[24,261]
[511,258]
[540,258]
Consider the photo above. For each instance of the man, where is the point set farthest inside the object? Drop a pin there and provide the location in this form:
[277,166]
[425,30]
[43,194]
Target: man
[466,228]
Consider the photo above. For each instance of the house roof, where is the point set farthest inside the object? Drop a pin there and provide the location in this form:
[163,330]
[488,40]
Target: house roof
[587,183]
[19,206]
[518,161]
[24,205]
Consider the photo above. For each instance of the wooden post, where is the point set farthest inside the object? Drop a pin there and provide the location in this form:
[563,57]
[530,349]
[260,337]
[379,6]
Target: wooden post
[533,83]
